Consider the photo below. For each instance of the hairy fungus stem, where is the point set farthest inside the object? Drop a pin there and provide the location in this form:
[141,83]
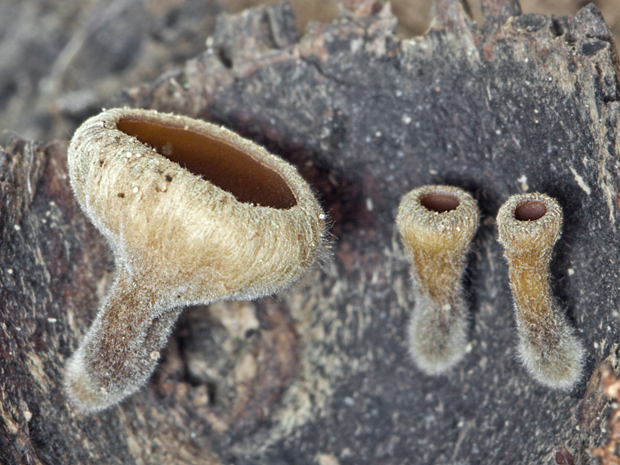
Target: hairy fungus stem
[194,214]
[437,224]
[529,226]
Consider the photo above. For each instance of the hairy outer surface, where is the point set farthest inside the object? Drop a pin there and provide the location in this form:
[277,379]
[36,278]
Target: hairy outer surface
[548,346]
[437,224]
[179,239]
[524,103]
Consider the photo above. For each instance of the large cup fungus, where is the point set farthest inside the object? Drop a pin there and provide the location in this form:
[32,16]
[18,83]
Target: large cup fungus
[193,213]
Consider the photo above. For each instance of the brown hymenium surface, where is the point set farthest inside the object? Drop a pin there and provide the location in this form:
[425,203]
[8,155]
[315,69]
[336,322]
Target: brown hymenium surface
[215,160]
[526,103]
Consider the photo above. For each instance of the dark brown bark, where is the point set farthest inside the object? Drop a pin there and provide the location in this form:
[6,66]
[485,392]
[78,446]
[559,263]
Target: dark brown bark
[526,103]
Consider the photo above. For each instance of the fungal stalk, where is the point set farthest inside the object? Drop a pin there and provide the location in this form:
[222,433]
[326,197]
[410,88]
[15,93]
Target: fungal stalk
[437,224]
[529,226]
[193,214]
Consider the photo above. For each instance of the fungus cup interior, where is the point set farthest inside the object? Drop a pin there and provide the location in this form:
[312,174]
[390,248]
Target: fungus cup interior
[223,164]
[530,210]
[439,202]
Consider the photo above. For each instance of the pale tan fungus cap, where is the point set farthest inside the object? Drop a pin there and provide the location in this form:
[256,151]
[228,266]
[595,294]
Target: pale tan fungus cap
[437,219]
[529,223]
[193,205]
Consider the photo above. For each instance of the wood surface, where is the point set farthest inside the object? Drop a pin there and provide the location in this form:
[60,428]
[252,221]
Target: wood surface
[320,374]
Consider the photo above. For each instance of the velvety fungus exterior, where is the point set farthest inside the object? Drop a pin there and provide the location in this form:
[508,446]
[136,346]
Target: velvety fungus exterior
[193,213]
[437,225]
[529,225]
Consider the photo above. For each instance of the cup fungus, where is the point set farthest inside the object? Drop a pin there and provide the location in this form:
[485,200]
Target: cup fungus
[529,226]
[437,224]
[193,213]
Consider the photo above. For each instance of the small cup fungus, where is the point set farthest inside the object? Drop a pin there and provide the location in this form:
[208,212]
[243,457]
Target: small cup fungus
[529,226]
[193,213]
[437,224]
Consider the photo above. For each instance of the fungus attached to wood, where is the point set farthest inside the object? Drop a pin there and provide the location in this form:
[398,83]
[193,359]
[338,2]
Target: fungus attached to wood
[437,224]
[193,213]
[529,226]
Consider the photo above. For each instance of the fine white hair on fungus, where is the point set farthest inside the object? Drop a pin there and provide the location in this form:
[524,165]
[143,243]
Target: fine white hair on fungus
[437,224]
[194,213]
[529,226]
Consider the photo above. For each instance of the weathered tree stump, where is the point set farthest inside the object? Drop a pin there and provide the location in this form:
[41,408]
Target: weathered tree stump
[321,375]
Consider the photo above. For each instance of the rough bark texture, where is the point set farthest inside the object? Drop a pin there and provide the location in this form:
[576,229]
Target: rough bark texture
[526,103]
